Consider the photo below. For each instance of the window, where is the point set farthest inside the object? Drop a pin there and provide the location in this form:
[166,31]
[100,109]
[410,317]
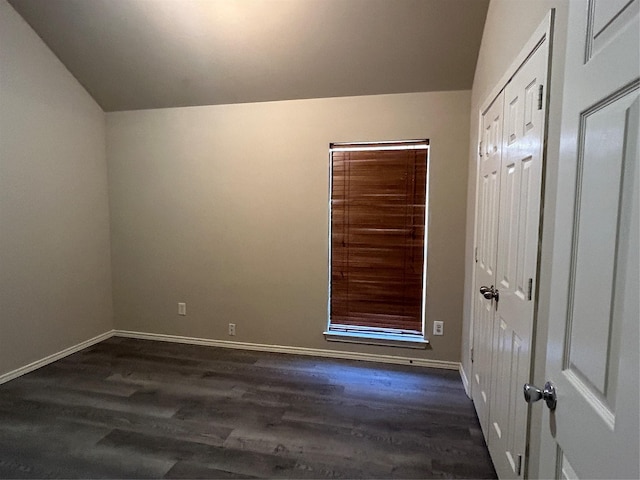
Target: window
[377,244]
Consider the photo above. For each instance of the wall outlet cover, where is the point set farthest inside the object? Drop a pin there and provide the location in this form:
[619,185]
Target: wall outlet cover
[438,327]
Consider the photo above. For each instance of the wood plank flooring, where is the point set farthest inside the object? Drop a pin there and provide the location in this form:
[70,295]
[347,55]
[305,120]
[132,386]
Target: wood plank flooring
[128,408]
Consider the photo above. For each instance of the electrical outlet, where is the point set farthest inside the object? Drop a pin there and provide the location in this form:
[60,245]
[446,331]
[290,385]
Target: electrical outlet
[438,327]
[232,329]
[182,308]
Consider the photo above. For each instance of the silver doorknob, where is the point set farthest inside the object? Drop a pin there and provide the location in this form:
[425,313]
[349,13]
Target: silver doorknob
[533,394]
[489,292]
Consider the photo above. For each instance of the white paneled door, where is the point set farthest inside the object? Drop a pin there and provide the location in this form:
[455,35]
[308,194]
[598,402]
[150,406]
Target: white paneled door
[490,155]
[593,342]
[518,234]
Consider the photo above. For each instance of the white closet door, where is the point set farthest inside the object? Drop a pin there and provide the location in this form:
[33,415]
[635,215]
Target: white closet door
[486,255]
[520,191]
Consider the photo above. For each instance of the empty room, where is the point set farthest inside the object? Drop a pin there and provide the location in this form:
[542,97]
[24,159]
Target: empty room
[319,238]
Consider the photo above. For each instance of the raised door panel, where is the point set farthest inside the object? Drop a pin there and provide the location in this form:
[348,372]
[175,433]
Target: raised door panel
[508,410]
[595,328]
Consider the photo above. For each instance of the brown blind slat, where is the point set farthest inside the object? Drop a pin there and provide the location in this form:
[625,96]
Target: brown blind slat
[377,242]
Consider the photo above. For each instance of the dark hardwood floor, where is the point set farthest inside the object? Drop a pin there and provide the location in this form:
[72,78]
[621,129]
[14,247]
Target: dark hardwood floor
[129,408]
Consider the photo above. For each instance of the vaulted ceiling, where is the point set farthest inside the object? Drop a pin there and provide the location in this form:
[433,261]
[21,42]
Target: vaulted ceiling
[139,54]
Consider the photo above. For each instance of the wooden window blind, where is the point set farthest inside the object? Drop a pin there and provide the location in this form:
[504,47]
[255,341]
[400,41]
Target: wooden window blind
[378,206]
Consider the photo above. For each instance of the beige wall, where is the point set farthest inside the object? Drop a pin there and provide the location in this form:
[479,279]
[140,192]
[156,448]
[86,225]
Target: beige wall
[509,24]
[226,208]
[55,278]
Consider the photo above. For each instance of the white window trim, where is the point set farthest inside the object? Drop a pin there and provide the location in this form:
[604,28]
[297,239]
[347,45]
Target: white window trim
[381,338]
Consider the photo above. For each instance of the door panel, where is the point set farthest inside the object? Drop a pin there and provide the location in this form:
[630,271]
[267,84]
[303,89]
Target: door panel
[605,19]
[592,324]
[521,174]
[592,346]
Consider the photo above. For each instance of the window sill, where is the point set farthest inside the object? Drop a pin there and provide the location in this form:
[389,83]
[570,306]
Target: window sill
[380,339]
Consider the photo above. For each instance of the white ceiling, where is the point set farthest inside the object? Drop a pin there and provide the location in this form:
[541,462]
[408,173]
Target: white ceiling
[137,54]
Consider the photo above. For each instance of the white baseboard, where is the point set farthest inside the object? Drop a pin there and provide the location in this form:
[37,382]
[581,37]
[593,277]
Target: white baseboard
[52,358]
[465,381]
[315,352]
